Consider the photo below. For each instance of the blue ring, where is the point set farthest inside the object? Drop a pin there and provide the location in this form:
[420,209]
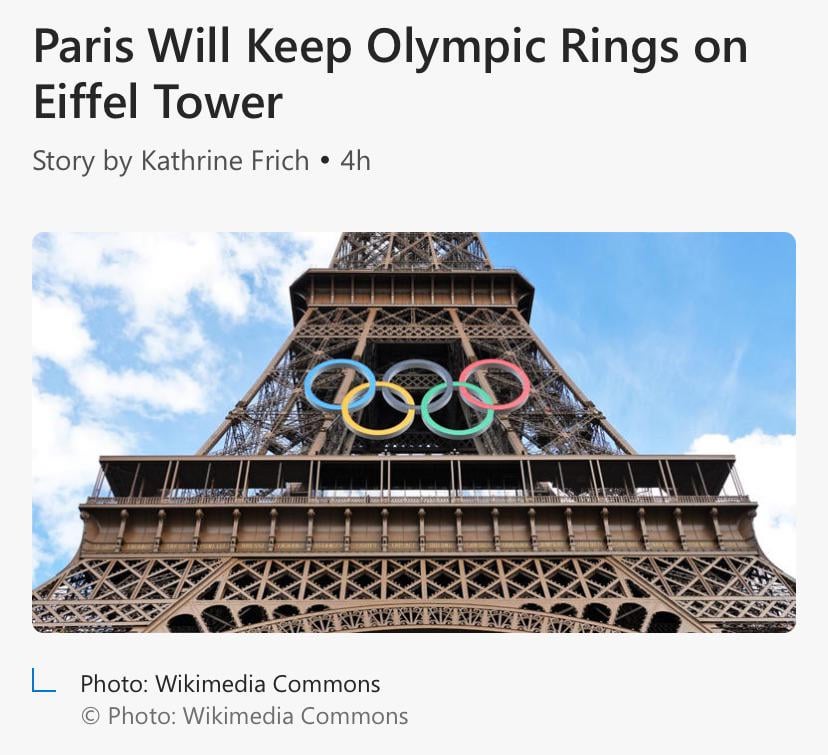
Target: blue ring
[318,403]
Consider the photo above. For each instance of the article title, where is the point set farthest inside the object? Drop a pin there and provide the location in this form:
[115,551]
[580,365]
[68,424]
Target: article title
[213,45]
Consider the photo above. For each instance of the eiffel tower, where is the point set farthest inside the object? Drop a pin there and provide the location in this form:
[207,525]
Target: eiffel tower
[363,483]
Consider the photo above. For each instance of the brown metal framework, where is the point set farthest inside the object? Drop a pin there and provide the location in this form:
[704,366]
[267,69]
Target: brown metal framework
[285,521]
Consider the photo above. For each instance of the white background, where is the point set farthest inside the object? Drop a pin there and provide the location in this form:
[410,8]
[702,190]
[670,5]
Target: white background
[547,147]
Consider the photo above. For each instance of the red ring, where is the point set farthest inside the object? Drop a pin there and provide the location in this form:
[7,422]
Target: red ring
[514,369]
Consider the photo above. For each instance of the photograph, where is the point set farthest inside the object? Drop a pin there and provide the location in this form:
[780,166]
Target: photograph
[297,432]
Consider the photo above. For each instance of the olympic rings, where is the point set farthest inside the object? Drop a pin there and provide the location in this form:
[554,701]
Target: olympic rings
[511,368]
[446,432]
[367,432]
[425,364]
[362,369]
[401,399]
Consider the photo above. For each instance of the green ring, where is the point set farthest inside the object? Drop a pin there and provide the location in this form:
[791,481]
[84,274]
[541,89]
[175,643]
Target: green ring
[447,432]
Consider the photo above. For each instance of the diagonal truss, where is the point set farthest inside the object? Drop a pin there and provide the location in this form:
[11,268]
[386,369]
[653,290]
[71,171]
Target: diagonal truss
[216,595]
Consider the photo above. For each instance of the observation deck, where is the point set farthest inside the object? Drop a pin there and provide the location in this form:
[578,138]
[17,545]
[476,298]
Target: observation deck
[417,504]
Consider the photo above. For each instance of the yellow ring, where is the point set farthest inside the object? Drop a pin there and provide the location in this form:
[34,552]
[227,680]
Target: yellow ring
[389,432]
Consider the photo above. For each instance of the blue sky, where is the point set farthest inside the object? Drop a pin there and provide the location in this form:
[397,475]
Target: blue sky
[142,342]
[671,335]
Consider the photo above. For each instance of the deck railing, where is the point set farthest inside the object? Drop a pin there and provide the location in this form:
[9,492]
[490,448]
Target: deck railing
[425,501]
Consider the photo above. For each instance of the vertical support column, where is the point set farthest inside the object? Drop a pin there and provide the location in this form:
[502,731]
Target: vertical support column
[246,478]
[740,491]
[384,540]
[642,521]
[135,479]
[570,532]
[164,489]
[496,528]
[173,480]
[309,535]
[346,542]
[665,483]
[531,479]
[422,537]
[271,538]
[234,537]
[239,479]
[159,530]
[207,479]
[199,516]
[714,515]
[458,520]
[595,491]
[701,477]
[680,528]
[607,531]
[119,541]
[563,482]
[601,478]
[310,479]
[96,489]
[533,533]
[523,480]
[670,475]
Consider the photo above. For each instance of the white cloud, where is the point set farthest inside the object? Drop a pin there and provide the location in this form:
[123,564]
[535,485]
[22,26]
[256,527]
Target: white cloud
[148,293]
[64,466]
[767,468]
[158,277]
[58,332]
[155,283]
[173,391]
[60,335]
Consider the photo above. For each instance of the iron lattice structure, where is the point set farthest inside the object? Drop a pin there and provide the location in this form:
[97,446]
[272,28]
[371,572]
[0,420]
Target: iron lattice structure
[285,521]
